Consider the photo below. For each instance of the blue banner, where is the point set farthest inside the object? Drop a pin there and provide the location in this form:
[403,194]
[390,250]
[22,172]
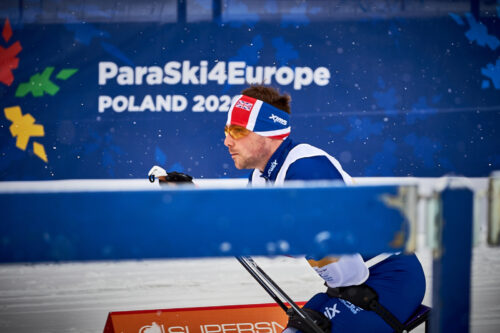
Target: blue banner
[183,222]
[391,97]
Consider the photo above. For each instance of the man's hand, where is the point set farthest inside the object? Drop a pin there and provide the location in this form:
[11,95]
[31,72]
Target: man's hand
[168,177]
[176,177]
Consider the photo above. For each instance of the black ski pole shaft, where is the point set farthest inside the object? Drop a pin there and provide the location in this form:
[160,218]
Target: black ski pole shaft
[276,287]
[251,264]
[262,283]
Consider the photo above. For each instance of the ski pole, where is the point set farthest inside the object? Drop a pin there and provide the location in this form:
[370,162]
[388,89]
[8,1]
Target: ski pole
[293,305]
[262,283]
[265,281]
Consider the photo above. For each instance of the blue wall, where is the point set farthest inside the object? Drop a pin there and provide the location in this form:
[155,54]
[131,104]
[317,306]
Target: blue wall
[405,96]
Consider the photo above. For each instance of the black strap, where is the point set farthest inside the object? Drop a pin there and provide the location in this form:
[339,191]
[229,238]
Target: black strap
[366,298]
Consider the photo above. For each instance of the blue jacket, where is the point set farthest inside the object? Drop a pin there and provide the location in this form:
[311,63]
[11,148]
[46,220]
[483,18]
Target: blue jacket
[309,163]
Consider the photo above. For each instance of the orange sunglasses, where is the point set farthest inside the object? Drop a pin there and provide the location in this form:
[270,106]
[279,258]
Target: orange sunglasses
[235,131]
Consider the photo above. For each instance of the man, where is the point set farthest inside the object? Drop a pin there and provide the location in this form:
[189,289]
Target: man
[257,137]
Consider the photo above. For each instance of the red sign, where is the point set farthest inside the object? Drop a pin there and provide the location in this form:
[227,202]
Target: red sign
[254,318]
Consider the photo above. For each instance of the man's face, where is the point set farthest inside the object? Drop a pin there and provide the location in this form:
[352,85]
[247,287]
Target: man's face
[248,152]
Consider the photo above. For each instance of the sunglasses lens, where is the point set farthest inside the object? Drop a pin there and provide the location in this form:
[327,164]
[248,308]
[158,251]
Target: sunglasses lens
[236,132]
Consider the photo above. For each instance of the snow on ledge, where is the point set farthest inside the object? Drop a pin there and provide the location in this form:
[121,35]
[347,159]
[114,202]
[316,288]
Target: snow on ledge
[92,185]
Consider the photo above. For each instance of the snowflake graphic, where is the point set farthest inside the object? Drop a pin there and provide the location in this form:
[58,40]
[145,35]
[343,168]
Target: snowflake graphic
[8,56]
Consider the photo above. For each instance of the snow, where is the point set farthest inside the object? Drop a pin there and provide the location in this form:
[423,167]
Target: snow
[76,297]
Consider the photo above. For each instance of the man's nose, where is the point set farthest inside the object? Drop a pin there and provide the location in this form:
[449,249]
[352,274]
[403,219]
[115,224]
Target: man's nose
[228,141]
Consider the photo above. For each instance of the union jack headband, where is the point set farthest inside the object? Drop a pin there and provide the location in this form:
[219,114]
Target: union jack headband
[259,117]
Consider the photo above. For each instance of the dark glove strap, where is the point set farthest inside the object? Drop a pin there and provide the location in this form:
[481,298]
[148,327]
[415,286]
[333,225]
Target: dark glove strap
[366,298]
[361,295]
[319,319]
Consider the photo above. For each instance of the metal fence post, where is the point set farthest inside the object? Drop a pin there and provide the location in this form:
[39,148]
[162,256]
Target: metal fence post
[452,263]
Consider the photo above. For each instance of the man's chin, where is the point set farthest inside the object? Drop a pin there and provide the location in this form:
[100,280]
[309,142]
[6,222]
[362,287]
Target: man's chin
[240,166]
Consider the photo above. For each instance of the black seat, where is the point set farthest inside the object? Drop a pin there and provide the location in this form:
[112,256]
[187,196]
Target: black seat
[421,315]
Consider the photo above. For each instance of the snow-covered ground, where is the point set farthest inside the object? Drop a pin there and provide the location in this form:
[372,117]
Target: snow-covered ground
[76,297]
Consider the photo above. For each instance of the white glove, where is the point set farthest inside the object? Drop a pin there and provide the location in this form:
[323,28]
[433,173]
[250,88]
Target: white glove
[156,172]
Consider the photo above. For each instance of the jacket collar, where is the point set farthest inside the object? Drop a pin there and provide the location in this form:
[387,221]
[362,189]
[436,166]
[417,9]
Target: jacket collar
[277,159]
